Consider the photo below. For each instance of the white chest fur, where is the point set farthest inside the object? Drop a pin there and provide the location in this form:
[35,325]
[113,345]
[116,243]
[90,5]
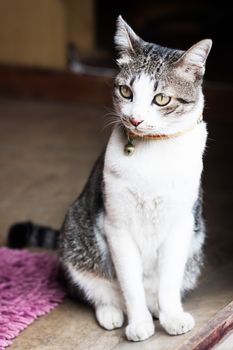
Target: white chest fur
[146,191]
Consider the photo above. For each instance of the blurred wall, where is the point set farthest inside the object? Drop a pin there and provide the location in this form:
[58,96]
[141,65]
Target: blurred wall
[81,24]
[33,32]
[36,32]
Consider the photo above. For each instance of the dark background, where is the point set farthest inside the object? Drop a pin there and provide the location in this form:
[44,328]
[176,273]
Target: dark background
[177,24]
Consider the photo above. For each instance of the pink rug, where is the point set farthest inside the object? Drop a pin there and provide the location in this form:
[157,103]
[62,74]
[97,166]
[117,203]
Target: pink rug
[29,288]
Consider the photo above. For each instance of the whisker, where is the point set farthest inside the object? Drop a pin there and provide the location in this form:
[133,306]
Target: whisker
[110,120]
[110,123]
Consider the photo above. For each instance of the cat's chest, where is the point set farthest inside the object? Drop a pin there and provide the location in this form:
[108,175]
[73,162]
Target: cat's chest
[148,190]
[157,169]
[148,229]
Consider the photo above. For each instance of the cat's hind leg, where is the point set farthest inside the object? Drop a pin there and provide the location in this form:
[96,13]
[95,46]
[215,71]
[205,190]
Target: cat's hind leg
[103,294]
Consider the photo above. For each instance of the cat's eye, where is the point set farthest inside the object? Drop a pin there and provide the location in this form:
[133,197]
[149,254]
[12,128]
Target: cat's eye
[125,91]
[161,99]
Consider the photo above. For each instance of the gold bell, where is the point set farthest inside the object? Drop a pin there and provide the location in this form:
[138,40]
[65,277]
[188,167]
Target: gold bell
[129,148]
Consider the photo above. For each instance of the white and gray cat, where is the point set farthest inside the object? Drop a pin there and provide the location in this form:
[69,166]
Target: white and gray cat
[131,244]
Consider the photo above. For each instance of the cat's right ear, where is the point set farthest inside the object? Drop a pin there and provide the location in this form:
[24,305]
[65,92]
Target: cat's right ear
[126,41]
[192,63]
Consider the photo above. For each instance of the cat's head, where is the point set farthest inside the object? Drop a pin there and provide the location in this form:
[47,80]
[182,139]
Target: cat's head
[157,90]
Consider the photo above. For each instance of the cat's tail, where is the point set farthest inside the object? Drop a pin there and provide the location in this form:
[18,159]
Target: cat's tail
[28,234]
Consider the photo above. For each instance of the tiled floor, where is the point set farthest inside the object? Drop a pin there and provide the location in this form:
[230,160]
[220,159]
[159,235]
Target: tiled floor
[46,153]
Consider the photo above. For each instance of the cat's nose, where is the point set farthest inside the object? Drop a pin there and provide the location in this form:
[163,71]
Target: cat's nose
[135,122]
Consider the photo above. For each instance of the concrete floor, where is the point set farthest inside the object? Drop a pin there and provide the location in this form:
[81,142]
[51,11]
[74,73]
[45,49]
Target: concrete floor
[46,153]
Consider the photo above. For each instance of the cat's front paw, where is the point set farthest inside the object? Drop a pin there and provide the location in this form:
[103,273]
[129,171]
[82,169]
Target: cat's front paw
[177,324]
[140,330]
[109,317]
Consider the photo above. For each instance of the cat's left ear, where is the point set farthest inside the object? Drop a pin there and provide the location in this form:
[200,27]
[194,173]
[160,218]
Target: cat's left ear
[192,63]
[126,40]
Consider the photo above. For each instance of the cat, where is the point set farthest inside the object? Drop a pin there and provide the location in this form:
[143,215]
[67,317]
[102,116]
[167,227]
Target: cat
[132,243]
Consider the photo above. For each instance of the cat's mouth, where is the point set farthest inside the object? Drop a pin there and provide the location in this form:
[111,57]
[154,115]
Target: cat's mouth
[140,130]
